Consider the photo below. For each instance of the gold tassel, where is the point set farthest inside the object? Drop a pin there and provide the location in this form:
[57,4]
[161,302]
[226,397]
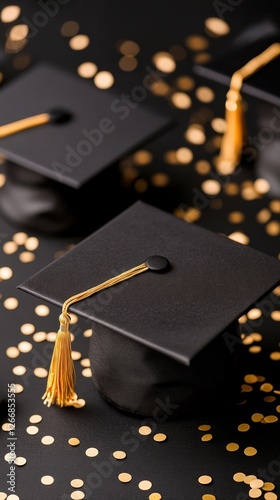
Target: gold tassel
[234,138]
[61,378]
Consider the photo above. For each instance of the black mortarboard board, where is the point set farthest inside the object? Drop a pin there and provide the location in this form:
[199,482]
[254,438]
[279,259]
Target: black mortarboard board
[169,335]
[261,91]
[54,171]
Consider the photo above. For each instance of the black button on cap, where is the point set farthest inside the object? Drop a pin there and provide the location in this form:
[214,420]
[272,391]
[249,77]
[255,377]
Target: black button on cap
[157,263]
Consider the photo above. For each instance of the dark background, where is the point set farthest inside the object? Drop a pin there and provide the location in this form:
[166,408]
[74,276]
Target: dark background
[172,466]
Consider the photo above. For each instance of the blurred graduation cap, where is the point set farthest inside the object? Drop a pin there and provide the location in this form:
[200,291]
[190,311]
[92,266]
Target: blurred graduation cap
[164,297]
[249,68]
[62,140]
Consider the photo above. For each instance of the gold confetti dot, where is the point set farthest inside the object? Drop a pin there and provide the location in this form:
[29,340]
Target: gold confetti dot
[164,62]
[10,247]
[47,440]
[32,430]
[85,362]
[257,417]
[262,186]
[242,319]
[7,426]
[74,441]
[268,486]
[39,336]
[236,217]
[10,13]
[18,388]
[257,337]
[104,80]
[76,355]
[196,42]
[19,370]
[195,134]
[202,167]
[47,480]
[270,419]
[204,94]
[128,63]
[246,388]
[274,206]
[206,437]
[145,485]
[250,451]
[10,303]
[232,447]
[231,189]
[20,461]
[273,228]
[25,346]
[204,427]
[141,185]
[10,457]
[250,378]
[35,419]
[211,187]
[51,336]
[216,26]
[263,216]
[239,477]
[254,313]
[269,399]
[243,427]
[129,48]
[27,328]
[270,496]
[42,310]
[256,483]
[266,387]
[208,496]
[69,28]
[278,408]
[79,42]
[88,333]
[255,349]
[124,477]
[181,100]
[12,352]
[86,372]
[184,155]
[3,496]
[119,455]
[142,157]
[218,125]
[79,403]
[77,495]
[87,69]
[77,483]
[91,452]
[160,437]
[248,479]
[5,273]
[144,430]
[275,356]
[205,479]
[185,83]
[155,496]
[13,497]
[255,493]
[26,257]
[160,180]
[239,237]
[20,238]
[40,372]
[275,315]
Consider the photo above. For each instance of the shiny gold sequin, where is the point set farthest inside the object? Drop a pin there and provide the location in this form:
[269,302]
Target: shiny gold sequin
[236,217]
[74,441]
[20,461]
[85,362]
[239,477]
[204,427]
[204,94]
[211,187]
[196,42]
[202,167]
[26,257]
[266,387]
[77,483]
[35,419]
[254,313]
[145,485]
[25,346]
[268,486]
[275,356]
[250,378]
[248,479]
[76,355]
[205,479]
[124,477]
[19,370]
[232,447]
[3,495]
[31,243]
[7,426]
[27,328]
[246,388]
[185,83]
[47,440]
[18,388]
[51,336]
[79,42]
[91,452]
[263,216]
[155,496]
[9,457]
[257,417]
[10,247]
[144,430]
[275,315]
[250,451]
[87,69]
[269,399]
[278,408]
[262,186]
[86,372]
[12,352]
[256,483]
[164,62]
[39,336]
[77,495]
[216,26]
[273,228]
[10,303]
[119,455]
[255,493]
[195,134]
[206,437]
[88,333]
[20,238]
[104,80]
[255,349]
[270,496]
[160,437]
[270,419]
[9,13]
[160,179]
[239,237]
[47,480]
[181,100]
[243,427]
[32,430]
[42,310]
[208,496]
[5,273]
[184,155]
[69,28]
[128,63]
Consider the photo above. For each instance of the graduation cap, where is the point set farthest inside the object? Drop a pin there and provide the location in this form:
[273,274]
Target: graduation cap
[164,297]
[249,69]
[62,139]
